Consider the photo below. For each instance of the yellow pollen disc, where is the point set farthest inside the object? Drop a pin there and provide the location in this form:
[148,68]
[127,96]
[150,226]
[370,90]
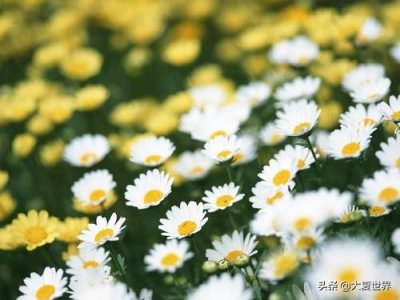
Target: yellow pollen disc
[88,158]
[90,264]
[376,211]
[274,198]
[351,149]
[398,163]
[301,128]
[196,170]
[369,121]
[153,196]
[169,260]
[302,224]
[97,195]
[305,242]
[103,234]
[387,295]
[282,177]
[285,264]
[233,255]
[276,138]
[396,115]
[238,157]
[224,200]
[35,234]
[152,159]
[217,133]
[373,96]
[224,154]
[45,292]
[348,275]
[388,194]
[187,228]
[300,164]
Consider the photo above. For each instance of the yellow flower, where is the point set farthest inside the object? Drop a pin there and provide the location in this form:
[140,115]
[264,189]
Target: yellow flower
[50,55]
[70,228]
[134,112]
[199,9]
[145,30]
[333,72]
[330,114]
[181,52]
[204,75]
[255,65]
[295,13]
[57,109]
[168,166]
[228,50]
[23,144]
[39,125]
[90,97]
[7,239]
[51,153]
[3,179]
[82,64]
[95,209]
[72,250]
[18,109]
[254,38]
[136,59]
[7,205]
[35,229]
[162,122]
[178,103]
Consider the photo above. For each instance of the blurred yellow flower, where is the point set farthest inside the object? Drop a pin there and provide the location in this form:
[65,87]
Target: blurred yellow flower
[7,239]
[70,228]
[136,59]
[169,167]
[51,153]
[178,103]
[330,114]
[17,109]
[181,52]
[39,125]
[57,109]
[162,122]
[133,112]
[204,75]
[23,144]
[90,97]
[7,205]
[3,179]
[50,55]
[82,64]
[72,250]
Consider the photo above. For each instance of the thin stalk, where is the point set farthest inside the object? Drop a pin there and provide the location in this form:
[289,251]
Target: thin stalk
[307,138]
[115,261]
[229,172]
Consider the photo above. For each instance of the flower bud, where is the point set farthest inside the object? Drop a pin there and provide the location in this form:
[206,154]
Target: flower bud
[209,266]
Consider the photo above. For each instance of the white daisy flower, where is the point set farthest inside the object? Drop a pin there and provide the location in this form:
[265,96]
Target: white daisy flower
[86,150]
[50,285]
[299,88]
[191,120]
[152,151]
[395,52]
[388,272]
[265,196]
[391,111]
[208,95]
[355,260]
[362,74]
[87,258]
[302,156]
[222,287]
[396,240]
[221,197]
[232,247]
[298,117]
[349,142]
[167,257]
[371,92]
[183,220]
[382,188]
[94,187]
[101,232]
[389,156]
[105,291]
[306,51]
[304,241]
[221,148]
[370,30]
[279,265]
[237,111]
[321,139]
[278,173]
[81,282]
[280,52]
[359,115]
[254,94]
[270,135]
[350,214]
[149,189]
[193,165]
[265,222]
[247,150]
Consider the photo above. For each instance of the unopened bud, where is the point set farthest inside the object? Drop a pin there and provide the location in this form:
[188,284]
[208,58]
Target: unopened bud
[209,266]
[224,264]
[242,260]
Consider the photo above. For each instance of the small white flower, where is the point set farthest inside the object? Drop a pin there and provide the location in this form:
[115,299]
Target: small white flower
[221,148]
[101,232]
[183,220]
[280,51]
[104,291]
[298,117]
[302,156]
[167,257]
[87,258]
[254,94]
[270,135]
[152,151]
[303,241]
[94,187]
[371,92]
[395,52]
[50,285]
[208,95]
[370,31]
[247,150]
[389,156]
[221,197]
[86,150]
[391,111]
[265,222]
[305,51]
[193,165]
[298,89]
[278,173]
[265,196]
[361,116]
[149,189]
[362,74]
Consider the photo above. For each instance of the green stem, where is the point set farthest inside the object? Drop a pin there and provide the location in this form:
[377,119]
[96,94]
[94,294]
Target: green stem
[115,260]
[307,138]
[232,220]
[230,175]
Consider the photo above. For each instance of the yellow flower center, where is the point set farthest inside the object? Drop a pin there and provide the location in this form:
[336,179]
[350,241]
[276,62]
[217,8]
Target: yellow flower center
[196,170]
[88,158]
[376,211]
[396,115]
[233,255]
[238,157]
[282,177]
[387,295]
[301,128]
[274,198]
[45,292]
[350,149]
[302,224]
[348,275]
[276,138]
[285,264]
[388,194]
[224,200]
[90,264]
[97,195]
[224,154]
[187,227]
[305,242]
[103,234]
[398,163]
[35,234]
[300,164]
[169,260]
[152,159]
[153,196]
[217,133]
[369,121]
